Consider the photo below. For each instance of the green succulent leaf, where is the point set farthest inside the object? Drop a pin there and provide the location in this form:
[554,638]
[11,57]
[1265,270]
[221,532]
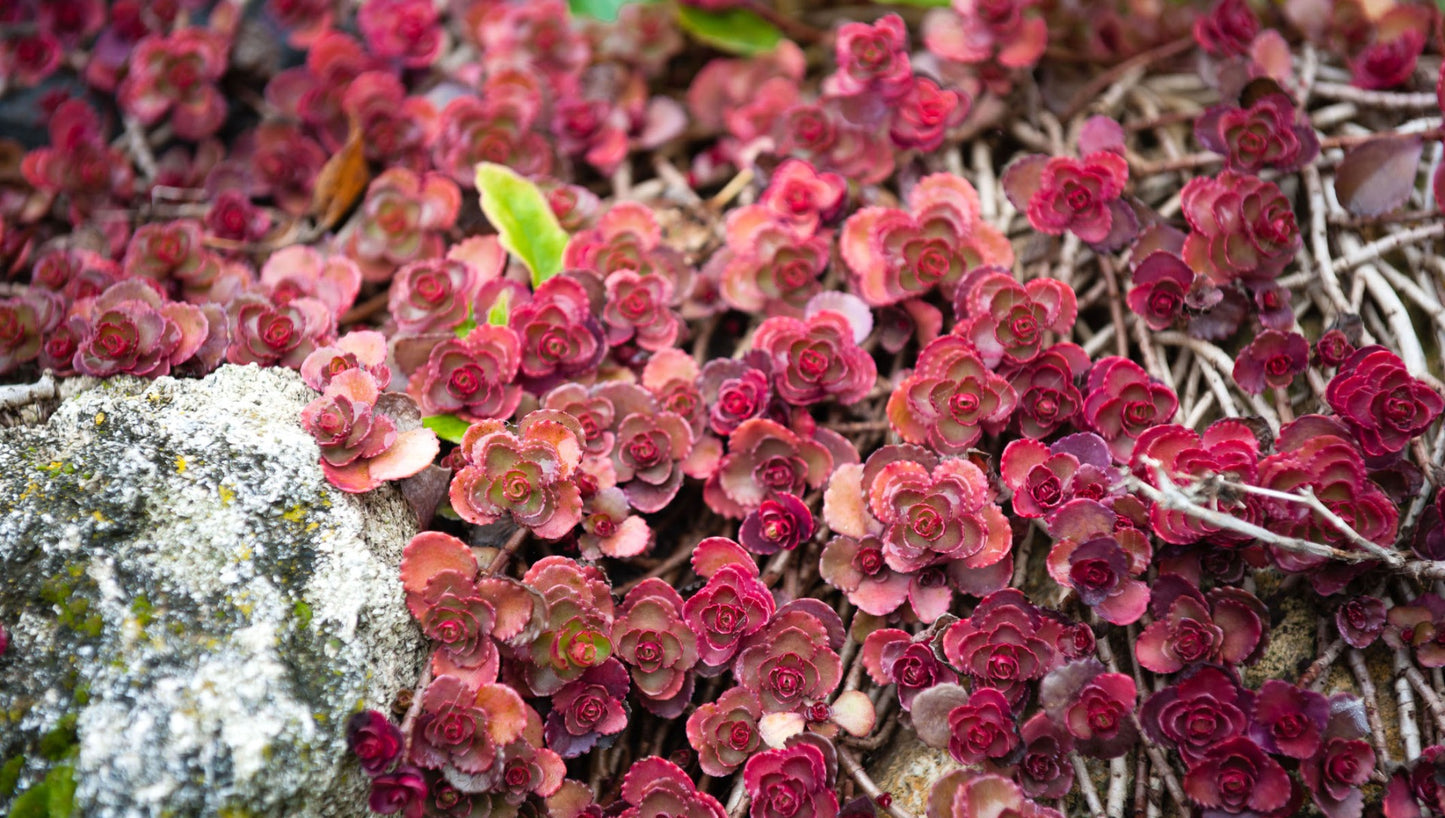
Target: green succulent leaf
[448,427]
[734,30]
[604,10]
[525,223]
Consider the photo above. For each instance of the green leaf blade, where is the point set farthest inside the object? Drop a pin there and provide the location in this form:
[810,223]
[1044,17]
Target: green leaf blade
[525,223]
[604,10]
[735,30]
[447,427]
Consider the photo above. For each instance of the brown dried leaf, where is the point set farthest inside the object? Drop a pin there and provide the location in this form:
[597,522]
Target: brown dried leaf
[341,182]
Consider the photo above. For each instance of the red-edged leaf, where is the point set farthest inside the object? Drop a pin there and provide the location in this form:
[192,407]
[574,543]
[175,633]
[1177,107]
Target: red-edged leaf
[1377,177]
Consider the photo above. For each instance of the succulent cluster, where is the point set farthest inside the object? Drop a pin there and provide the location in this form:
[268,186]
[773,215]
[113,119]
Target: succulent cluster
[727,471]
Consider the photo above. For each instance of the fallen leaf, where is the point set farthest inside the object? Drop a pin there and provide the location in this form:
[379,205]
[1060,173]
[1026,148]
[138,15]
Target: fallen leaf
[341,182]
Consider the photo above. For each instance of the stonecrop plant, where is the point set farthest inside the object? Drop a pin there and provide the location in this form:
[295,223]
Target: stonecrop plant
[783,388]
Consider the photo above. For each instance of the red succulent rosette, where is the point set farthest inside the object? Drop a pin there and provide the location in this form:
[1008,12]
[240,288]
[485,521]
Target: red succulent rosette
[1123,402]
[1229,625]
[725,732]
[651,637]
[657,788]
[797,780]
[816,358]
[1267,133]
[1006,320]
[893,254]
[1383,404]
[1241,228]
[1236,776]
[950,398]
[1203,708]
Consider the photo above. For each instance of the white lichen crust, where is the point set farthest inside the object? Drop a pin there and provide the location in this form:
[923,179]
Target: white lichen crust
[194,612]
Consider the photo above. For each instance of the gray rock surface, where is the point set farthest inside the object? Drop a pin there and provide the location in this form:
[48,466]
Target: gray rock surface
[194,612]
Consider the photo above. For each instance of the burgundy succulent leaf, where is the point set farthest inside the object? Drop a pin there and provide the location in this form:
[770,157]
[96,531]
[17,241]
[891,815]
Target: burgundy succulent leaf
[1004,644]
[789,663]
[858,568]
[403,790]
[983,728]
[588,709]
[1420,627]
[655,787]
[1287,720]
[524,477]
[1272,359]
[560,337]
[950,398]
[1389,58]
[1320,454]
[1199,711]
[893,255]
[1123,402]
[374,740]
[432,295]
[579,623]
[1242,228]
[1360,621]
[1095,707]
[1045,771]
[968,794]
[1047,395]
[1268,133]
[1005,320]
[1076,195]
[1161,283]
[1185,629]
[1227,29]
[724,733]
[1013,32]
[732,606]
[765,459]
[470,377]
[816,358]
[776,525]
[1333,348]
[1383,404]
[792,781]
[459,729]
[1237,776]
[650,636]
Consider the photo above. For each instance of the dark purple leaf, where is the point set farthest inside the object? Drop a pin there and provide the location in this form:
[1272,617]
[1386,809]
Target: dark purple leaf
[1377,177]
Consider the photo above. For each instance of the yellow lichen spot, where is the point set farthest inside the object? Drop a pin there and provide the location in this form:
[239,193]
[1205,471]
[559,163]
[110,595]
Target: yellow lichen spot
[99,518]
[244,555]
[228,494]
[180,465]
[31,488]
[99,418]
[296,514]
[312,526]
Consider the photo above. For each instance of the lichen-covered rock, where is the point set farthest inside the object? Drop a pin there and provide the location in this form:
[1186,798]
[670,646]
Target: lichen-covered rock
[193,611]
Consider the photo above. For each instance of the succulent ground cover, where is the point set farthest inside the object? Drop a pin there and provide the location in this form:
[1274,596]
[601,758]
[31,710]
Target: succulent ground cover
[775,384]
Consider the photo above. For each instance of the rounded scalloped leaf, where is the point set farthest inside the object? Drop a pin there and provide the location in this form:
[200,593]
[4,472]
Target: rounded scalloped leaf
[826,616]
[513,603]
[844,509]
[776,728]
[650,769]
[431,552]
[850,306]
[930,713]
[713,553]
[872,652]
[853,711]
